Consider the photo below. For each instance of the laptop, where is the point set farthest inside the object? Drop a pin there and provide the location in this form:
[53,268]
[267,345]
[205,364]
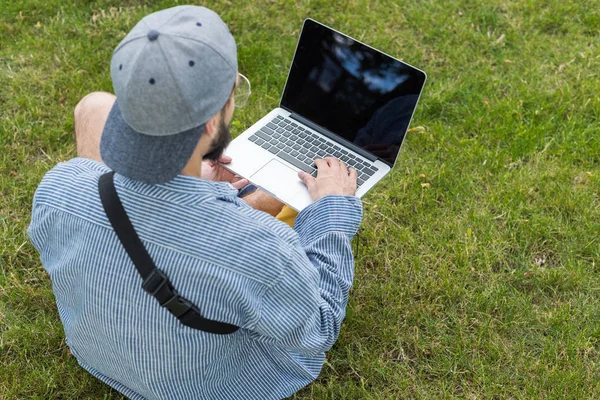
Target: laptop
[342,98]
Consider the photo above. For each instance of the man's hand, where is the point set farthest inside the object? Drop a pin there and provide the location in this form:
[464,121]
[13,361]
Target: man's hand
[334,177]
[214,171]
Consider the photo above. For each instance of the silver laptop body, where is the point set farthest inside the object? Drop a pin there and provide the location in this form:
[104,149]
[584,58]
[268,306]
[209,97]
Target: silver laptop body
[343,99]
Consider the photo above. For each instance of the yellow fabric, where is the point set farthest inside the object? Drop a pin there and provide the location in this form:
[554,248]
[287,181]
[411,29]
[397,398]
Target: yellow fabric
[287,215]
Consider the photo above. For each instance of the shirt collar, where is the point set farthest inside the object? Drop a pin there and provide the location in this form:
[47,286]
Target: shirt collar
[182,184]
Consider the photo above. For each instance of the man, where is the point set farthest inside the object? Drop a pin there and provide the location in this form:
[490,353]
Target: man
[175,76]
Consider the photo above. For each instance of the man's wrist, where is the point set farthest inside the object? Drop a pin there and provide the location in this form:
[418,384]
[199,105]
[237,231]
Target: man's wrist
[246,190]
[332,213]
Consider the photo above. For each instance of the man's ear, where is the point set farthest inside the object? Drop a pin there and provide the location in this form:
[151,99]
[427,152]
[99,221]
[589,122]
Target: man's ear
[211,126]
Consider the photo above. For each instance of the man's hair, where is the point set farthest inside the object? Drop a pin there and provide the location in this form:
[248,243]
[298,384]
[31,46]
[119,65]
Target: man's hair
[232,94]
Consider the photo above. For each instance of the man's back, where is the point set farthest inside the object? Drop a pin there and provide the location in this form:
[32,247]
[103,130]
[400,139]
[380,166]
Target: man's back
[287,290]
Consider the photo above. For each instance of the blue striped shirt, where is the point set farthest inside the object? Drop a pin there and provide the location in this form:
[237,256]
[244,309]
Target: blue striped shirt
[286,288]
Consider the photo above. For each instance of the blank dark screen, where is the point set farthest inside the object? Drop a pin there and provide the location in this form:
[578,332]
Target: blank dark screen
[354,91]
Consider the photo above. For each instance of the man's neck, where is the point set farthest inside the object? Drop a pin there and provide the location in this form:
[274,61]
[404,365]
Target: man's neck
[194,165]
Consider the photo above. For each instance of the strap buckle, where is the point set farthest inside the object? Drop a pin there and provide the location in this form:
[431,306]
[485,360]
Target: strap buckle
[177,305]
[157,281]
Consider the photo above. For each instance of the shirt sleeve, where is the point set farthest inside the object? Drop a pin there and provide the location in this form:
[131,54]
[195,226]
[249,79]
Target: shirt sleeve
[304,311]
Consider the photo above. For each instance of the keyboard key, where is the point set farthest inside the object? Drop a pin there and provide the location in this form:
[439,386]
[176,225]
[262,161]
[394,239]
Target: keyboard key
[294,154]
[262,135]
[369,171]
[273,149]
[280,145]
[314,173]
[360,181]
[303,150]
[296,163]
[296,146]
[279,130]
[271,125]
[253,138]
[259,142]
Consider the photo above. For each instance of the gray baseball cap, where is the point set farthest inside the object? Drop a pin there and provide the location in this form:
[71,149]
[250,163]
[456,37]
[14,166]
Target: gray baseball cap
[171,74]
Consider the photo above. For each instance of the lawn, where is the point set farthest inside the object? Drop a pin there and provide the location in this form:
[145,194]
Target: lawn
[479,273]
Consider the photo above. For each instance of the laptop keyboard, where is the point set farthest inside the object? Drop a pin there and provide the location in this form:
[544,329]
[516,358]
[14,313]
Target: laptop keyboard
[300,147]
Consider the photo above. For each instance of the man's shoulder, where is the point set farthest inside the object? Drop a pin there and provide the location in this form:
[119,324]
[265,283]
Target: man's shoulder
[70,179]
[77,167]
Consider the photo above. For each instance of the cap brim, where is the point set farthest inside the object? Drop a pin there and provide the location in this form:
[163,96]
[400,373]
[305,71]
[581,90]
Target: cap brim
[146,158]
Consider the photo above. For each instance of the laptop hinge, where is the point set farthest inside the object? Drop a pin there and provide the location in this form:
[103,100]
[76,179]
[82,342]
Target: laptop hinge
[334,137]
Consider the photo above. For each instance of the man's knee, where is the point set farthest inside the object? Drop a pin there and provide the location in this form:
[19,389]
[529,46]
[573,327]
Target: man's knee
[90,116]
[93,103]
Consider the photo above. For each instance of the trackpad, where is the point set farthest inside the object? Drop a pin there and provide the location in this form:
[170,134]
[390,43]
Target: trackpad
[279,179]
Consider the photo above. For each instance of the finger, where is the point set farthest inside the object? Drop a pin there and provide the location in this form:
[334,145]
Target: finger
[353,175]
[307,179]
[240,184]
[334,164]
[321,164]
[344,168]
[224,159]
[331,161]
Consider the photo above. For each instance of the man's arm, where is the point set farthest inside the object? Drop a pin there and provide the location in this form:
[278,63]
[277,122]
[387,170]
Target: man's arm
[304,311]
[264,202]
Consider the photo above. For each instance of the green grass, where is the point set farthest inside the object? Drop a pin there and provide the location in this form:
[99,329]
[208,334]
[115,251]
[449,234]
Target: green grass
[483,284]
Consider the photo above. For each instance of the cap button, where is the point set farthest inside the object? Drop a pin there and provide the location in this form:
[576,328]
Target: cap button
[153,34]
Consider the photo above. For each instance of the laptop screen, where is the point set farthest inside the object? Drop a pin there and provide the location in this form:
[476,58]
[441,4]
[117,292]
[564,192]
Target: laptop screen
[352,90]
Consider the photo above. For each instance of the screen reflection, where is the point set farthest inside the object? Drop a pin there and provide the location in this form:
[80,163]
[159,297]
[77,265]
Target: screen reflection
[354,91]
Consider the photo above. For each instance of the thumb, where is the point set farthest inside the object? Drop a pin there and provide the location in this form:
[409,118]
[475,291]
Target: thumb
[240,184]
[223,159]
[307,179]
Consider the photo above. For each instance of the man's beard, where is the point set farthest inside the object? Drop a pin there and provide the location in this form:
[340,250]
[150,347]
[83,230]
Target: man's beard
[219,143]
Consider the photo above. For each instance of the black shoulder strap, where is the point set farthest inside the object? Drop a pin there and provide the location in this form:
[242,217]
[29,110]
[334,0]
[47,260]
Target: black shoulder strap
[155,282]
